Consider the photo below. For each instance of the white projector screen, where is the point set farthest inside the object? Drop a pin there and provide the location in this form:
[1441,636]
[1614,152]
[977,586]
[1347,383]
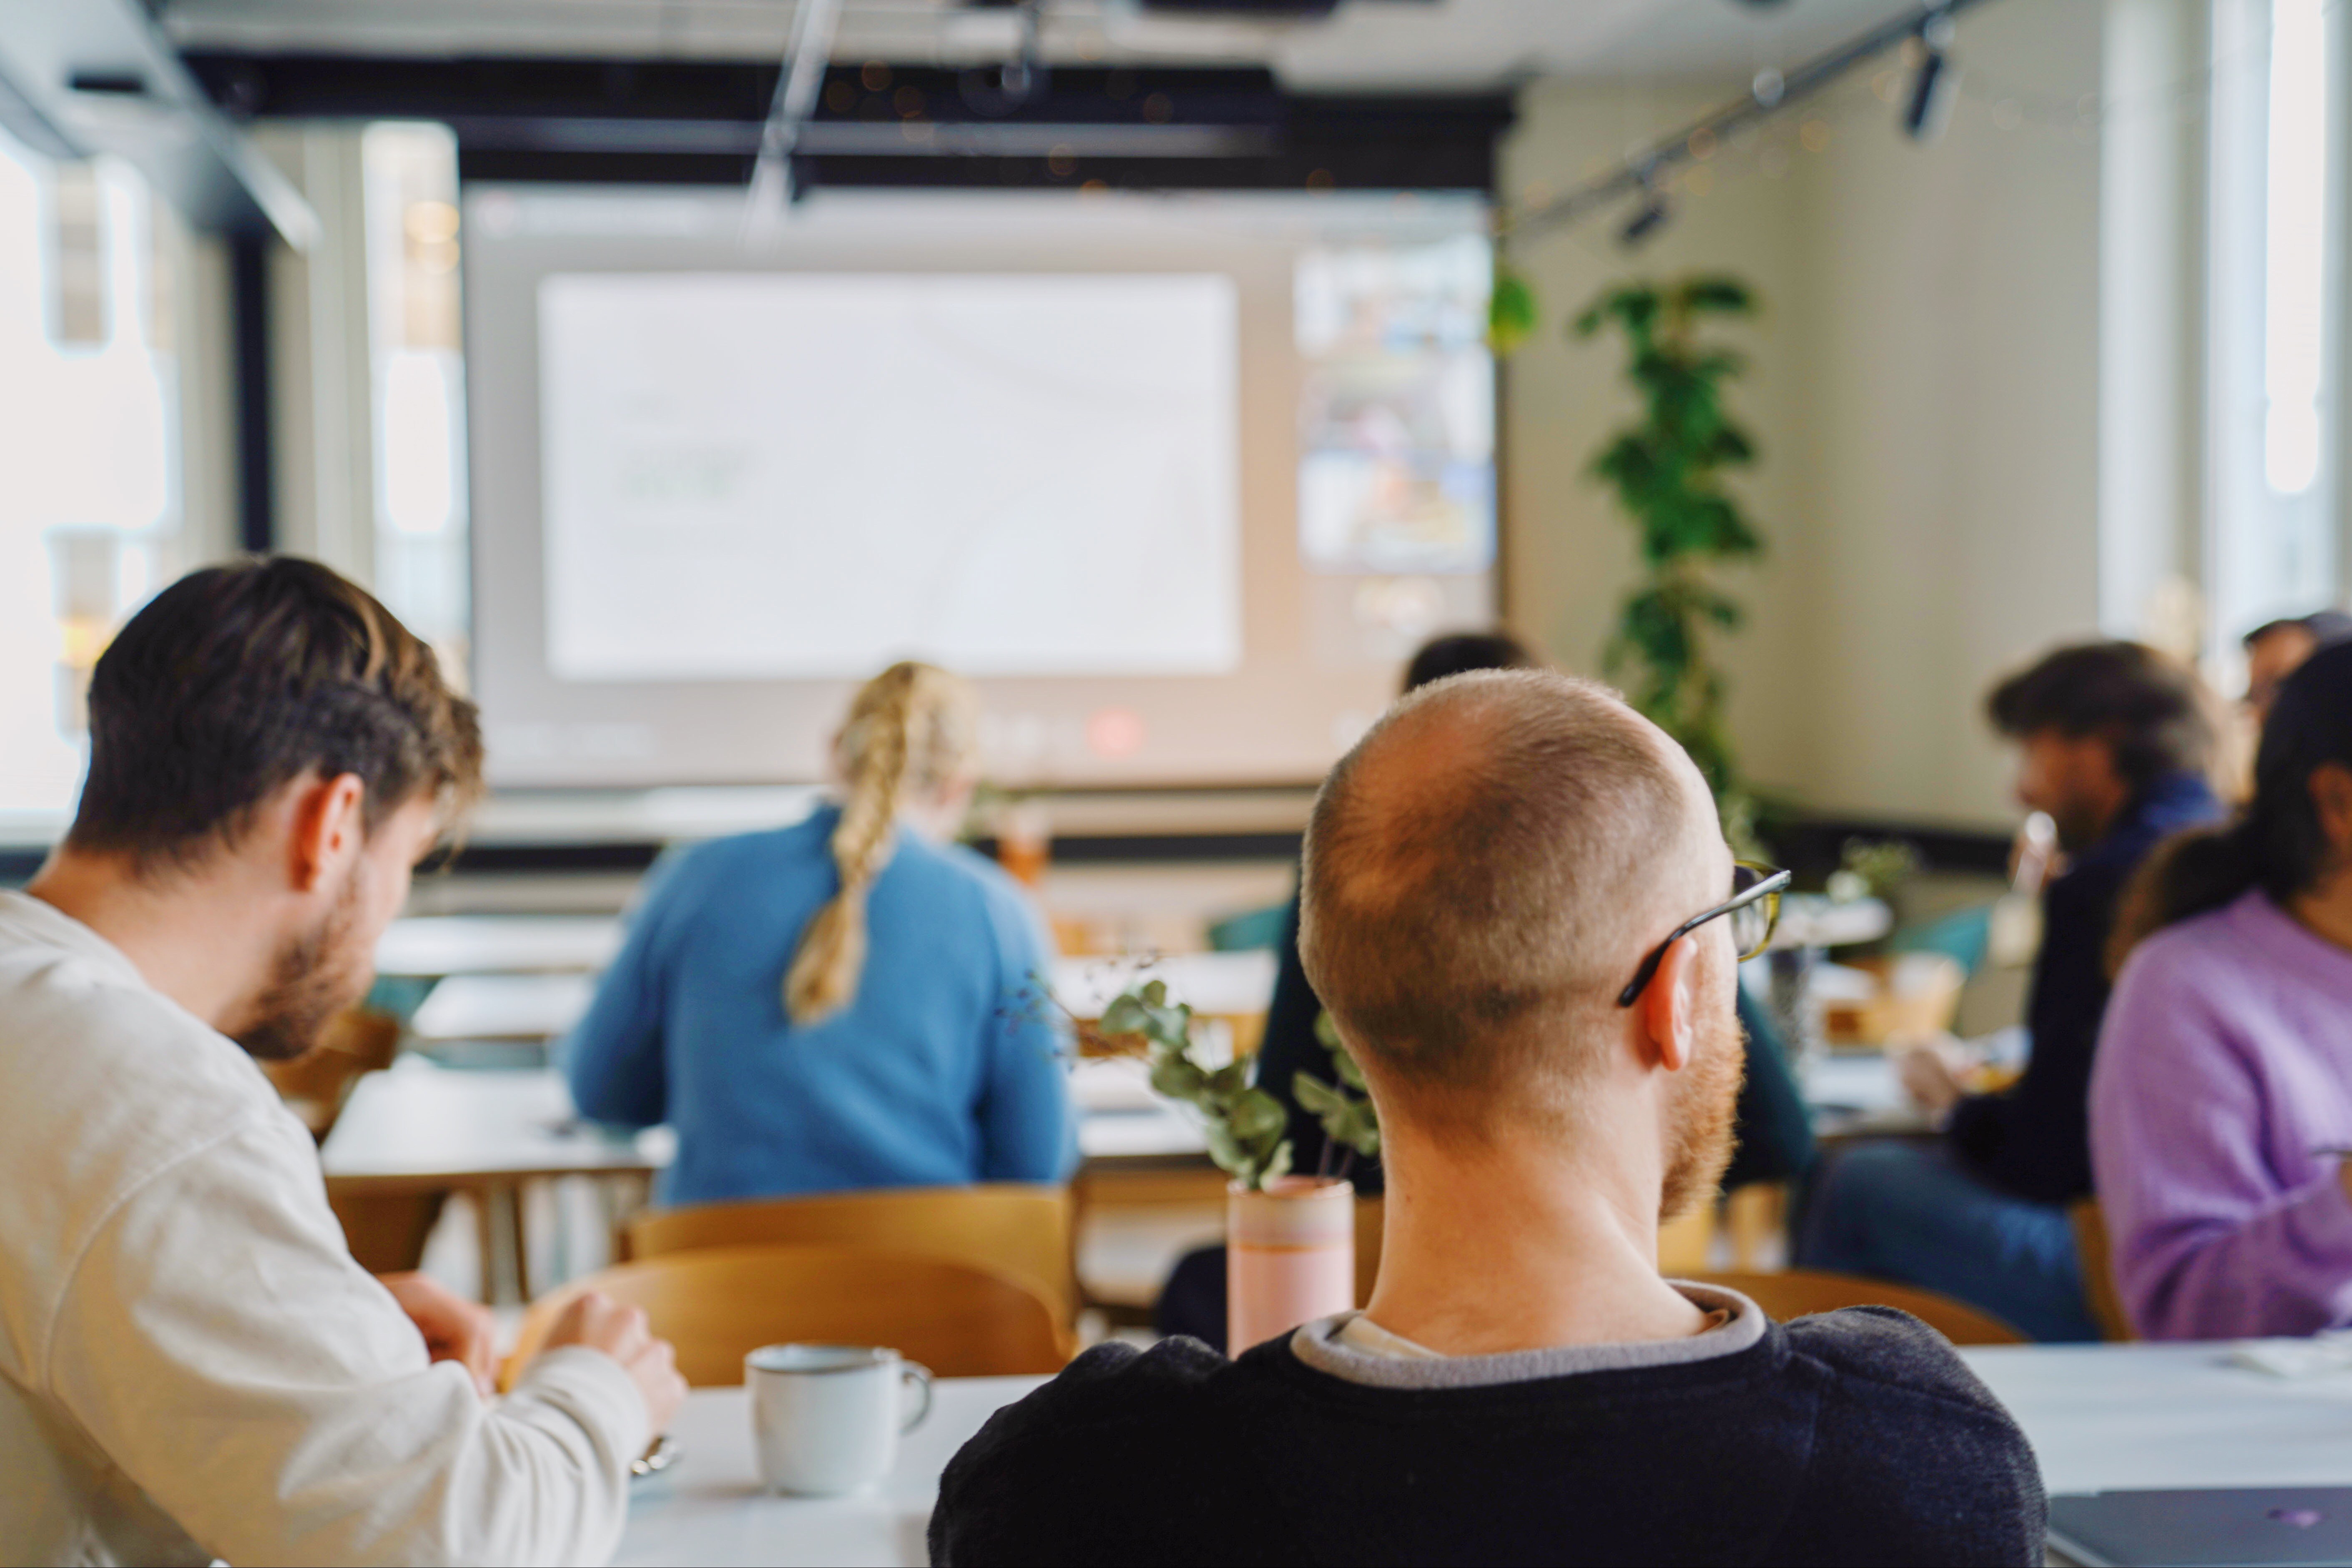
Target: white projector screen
[800,476]
[1179,480]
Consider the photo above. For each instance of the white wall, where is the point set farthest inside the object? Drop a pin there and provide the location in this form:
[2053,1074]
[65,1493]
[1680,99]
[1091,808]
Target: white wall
[1925,393]
[1570,553]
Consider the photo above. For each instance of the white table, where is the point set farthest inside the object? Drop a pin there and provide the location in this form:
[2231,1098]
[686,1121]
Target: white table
[1858,1094]
[473,1004]
[2102,1417]
[2099,1417]
[420,1127]
[709,1507]
[1813,921]
[470,1004]
[429,947]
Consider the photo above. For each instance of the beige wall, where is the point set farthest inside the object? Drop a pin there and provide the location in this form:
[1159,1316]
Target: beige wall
[1925,393]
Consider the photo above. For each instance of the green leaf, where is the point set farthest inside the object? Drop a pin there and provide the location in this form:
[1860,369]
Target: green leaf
[1316,1097]
[1258,1114]
[1327,1029]
[1510,312]
[1176,1077]
[1277,1164]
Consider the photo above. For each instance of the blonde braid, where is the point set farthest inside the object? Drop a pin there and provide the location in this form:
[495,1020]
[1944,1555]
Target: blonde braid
[903,725]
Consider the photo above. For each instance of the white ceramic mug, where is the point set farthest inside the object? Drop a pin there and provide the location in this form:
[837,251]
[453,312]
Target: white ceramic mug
[826,1418]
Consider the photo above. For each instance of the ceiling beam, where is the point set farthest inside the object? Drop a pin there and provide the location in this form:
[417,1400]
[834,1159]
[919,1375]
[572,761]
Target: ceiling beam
[101,77]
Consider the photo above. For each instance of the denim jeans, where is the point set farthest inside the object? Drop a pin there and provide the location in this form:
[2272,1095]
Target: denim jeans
[1911,1212]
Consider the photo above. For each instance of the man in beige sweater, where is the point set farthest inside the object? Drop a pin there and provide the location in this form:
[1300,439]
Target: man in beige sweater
[192,1365]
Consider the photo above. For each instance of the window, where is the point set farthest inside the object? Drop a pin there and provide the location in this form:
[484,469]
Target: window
[410,173]
[2276,542]
[90,516]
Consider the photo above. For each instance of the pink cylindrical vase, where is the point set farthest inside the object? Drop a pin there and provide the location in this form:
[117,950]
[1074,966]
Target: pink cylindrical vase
[1290,1255]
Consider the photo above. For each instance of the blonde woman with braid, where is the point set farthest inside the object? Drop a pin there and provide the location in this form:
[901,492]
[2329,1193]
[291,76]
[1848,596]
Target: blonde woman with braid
[844,1004]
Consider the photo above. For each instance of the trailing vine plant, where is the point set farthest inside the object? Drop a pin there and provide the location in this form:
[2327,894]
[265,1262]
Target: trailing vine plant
[1667,471]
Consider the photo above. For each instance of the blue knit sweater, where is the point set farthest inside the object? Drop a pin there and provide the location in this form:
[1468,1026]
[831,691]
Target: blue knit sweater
[946,1069]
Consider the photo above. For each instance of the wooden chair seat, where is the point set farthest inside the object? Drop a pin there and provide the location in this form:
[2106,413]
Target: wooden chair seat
[1800,1291]
[717,1304]
[1017,1229]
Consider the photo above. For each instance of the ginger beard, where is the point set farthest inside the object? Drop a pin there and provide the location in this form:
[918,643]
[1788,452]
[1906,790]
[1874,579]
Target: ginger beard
[317,974]
[1698,1142]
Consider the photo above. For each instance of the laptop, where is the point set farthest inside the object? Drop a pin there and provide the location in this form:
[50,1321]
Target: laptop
[2284,1525]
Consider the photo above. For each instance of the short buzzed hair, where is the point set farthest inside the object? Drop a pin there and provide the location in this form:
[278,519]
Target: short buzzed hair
[1442,917]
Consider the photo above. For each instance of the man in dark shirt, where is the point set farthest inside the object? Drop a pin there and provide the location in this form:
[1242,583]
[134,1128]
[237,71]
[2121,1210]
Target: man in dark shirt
[1515,905]
[2114,740]
[1772,1134]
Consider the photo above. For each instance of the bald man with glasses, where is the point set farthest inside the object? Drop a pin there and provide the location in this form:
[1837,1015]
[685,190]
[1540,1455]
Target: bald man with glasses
[1519,910]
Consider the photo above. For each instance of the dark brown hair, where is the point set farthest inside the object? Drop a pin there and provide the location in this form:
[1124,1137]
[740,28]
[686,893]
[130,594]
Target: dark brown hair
[2153,710]
[2278,843]
[1459,653]
[237,679]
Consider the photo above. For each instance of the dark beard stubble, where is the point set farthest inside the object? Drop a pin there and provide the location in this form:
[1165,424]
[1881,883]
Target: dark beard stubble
[317,974]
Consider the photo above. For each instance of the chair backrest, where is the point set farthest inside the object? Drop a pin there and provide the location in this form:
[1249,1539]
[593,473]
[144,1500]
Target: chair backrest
[1800,1291]
[718,1304]
[1012,1228]
[2099,1291]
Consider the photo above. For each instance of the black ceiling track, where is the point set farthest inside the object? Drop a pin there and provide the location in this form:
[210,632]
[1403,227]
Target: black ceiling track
[666,122]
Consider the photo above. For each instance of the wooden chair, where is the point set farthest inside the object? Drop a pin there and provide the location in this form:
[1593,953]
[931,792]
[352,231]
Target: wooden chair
[1012,1228]
[1800,1291]
[2100,1293]
[716,1304]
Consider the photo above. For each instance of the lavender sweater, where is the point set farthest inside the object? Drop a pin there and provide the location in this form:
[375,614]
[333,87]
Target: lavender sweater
[2225,1060]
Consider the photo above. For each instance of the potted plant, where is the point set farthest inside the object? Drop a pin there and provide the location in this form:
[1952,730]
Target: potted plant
[1291,1239]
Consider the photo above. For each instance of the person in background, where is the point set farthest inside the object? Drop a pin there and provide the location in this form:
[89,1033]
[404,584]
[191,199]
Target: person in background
[2222,1101]
[1773,1137]
[854,1002]
[191,1366]
[1519,908]
[2276,649]
[2115,742]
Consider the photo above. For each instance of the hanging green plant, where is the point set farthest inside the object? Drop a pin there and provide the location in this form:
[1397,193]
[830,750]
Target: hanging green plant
[1510,311]
[1667,471]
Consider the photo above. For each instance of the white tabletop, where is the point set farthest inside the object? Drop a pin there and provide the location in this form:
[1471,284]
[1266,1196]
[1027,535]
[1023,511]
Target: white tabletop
[1809,920]
[2099,1417]
[469,1005]
[431,946]
[2108,1417]
[1856,1094]
[709,1507]
[420,1120]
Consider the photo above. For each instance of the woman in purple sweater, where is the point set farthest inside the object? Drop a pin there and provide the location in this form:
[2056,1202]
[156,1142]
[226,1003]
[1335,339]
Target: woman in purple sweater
[2221,1097]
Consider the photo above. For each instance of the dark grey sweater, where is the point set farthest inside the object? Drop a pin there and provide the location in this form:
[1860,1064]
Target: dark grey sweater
[1854,1437]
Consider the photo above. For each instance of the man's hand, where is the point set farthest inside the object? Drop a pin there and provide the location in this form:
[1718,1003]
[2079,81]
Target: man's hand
[453,1328]
[601,1323]
[1932,1079]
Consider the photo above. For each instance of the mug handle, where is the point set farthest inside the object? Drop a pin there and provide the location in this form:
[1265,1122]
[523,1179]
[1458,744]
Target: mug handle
[916,1374]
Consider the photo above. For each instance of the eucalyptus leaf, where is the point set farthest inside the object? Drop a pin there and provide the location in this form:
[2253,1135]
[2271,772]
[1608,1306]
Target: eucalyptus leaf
[1258,1114]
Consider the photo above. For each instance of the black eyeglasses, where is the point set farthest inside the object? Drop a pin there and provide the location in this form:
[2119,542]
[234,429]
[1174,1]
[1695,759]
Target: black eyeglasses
[1754,907]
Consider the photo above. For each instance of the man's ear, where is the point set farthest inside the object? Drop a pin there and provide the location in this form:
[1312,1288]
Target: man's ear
[330,827]
[1668,1009]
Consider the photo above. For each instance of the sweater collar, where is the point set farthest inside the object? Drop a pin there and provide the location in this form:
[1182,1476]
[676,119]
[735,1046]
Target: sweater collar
[2165,805]
[1319,1346]
[29,920]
